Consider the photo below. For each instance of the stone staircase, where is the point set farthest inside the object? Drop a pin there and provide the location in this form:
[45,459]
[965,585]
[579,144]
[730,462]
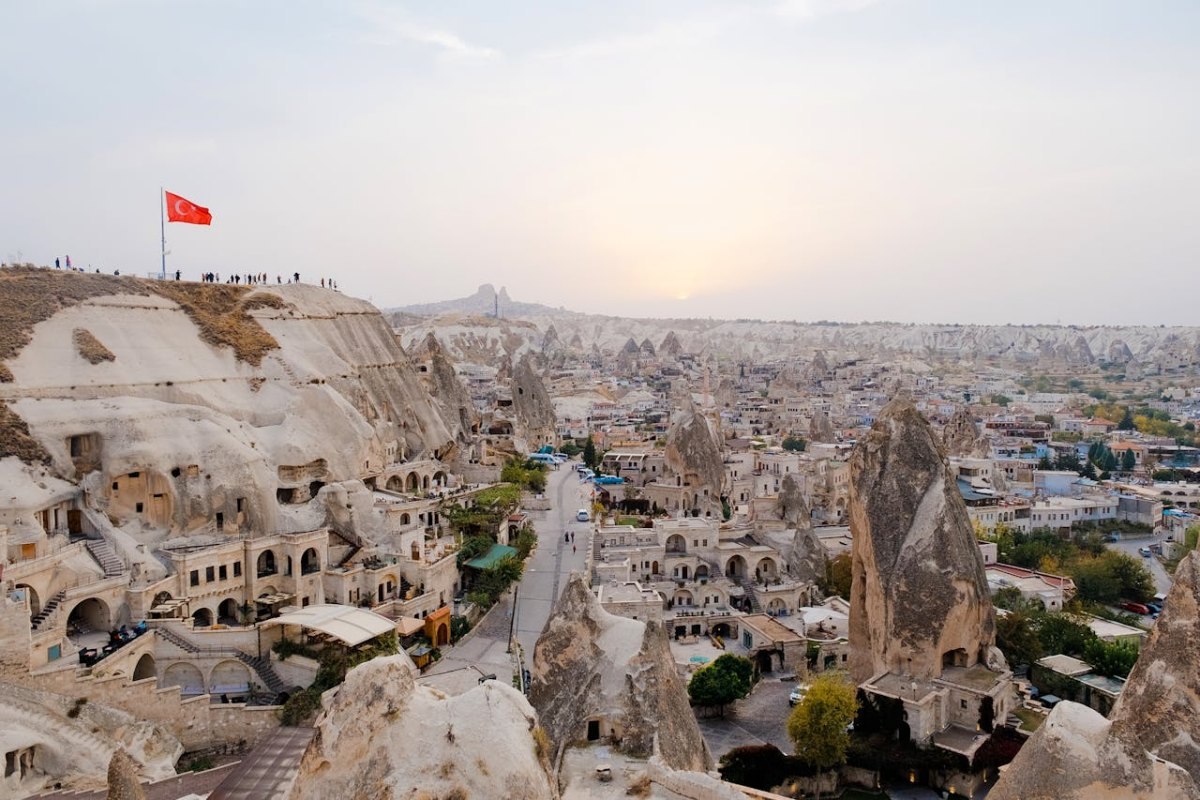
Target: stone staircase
[39,619]
[261,666]
[748,588]
[102,551]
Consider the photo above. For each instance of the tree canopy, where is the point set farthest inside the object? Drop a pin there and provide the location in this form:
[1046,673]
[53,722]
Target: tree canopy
[721,682]
[818,725]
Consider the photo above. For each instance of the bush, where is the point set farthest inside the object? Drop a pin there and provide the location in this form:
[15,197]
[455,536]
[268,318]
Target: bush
[286,647]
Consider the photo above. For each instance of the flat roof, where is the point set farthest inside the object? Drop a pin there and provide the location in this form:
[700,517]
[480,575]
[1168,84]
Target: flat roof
[771,628]
[348,624]
[1065,665]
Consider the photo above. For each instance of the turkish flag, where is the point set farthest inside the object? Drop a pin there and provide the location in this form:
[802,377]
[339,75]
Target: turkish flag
[180,210]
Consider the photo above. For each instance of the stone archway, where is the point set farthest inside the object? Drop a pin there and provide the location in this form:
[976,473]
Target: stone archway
[91,614]
[766,569]
[35,602]
[676,544]
[411,484]
[202,618]
[310,562]
[186,676]
[229,677]
[736,567]
[395,484]
[146,668]
[227,612]
[267,564]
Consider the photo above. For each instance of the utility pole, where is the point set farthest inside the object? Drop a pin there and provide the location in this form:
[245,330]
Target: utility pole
[162,224]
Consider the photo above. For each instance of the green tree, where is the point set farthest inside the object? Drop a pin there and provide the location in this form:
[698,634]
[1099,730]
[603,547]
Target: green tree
[796,444]
[721,682]
[838,576]
[1115,659]
[1128,461]
[589,453]
[1017,638]
[1126,423]
[1059,633]
[1001,400]
[818,724]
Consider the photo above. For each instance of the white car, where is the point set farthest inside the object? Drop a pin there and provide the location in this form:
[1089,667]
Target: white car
[797,695]
[582,515]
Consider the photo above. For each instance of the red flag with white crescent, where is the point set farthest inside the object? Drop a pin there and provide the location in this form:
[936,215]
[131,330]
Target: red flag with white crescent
[181,210]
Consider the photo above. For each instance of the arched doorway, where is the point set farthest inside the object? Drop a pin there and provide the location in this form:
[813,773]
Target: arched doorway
[766,569]
[683,598]
[654,568]
[310,562]
[160,598]
[202,618]
[776,607]
[721,629]
[735,567]
[701,572]
[676,544]
[91,614]
[266,564]
[229,677]
[35,602]
[395,484]
[439,480]
[146,668]
[412,482]
[186,676]
[227,612]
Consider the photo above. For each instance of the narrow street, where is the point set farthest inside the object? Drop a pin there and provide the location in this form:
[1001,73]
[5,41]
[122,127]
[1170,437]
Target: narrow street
[485,650]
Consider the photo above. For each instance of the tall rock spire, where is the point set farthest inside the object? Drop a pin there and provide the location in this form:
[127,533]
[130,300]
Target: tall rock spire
[919,594]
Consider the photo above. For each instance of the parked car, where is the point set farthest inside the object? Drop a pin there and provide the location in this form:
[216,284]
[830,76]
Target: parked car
[797,695]
[582,515]
[1155,608]
[1136,608]
[1144,552]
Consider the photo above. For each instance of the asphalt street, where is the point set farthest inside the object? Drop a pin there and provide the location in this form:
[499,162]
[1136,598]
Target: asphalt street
[485,650]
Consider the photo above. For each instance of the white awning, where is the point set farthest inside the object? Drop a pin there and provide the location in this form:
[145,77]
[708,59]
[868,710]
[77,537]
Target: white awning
[348,624]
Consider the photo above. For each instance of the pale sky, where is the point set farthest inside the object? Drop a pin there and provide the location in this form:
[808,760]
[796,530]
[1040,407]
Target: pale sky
[848,160]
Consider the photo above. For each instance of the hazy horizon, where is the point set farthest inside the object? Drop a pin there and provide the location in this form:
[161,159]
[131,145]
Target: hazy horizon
[795,160]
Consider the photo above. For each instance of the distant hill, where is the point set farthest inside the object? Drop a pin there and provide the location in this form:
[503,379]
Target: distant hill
[485,302]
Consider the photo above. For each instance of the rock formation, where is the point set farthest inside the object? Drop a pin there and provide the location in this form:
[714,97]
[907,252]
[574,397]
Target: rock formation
[726,396]
[820,428]
[449,394]
[919,590]
[1077,755]
[123,783]
[670,345]
[592,666]
[380,735]
[1119,352]
[532,408]
[694,455]
[1150,748]
[961,435]
[819,369]
[806,558]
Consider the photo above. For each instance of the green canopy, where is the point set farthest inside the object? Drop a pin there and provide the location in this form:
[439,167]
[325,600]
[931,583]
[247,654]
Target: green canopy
[489,559]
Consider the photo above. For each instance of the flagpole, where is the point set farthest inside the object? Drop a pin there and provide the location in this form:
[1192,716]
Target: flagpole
[162,224]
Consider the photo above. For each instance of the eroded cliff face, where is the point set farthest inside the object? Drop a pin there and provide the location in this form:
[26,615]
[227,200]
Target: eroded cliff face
[449,394]
[590,665]
[1076,755]
[820,428]
[1151,746]
[380,735]
[321,392]
[919,589]
[694,454]
[532,407]
[961,435]
[1160,704]
[806,558]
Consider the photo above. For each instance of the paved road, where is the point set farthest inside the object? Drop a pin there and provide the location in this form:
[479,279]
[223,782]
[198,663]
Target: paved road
[1130,545]
[486,649]
[554,559]
[759,719]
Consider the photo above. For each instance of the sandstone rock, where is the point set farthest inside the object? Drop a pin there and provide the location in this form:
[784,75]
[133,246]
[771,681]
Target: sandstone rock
[919,590]
[670,345]
[631,347]
[590,665]
[820,428]
[123,783]
[532,408]
[1076,756]
[726,394]
[1159,707]
[1119,352]
[961,435]
[819,369]
[806,558]
[448,393]
[647,348]
[380,735]
[694,455]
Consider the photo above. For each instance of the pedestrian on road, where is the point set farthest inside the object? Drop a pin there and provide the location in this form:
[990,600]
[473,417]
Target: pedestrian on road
[56,266]
[572,548]
[566,536]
